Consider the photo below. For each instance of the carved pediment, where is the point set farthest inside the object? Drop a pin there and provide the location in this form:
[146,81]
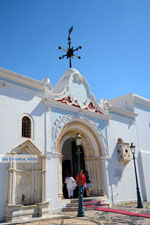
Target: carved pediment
[23,152]
[26,147]
[73,90]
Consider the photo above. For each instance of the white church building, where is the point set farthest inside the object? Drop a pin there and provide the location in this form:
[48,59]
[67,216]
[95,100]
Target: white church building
[37,119]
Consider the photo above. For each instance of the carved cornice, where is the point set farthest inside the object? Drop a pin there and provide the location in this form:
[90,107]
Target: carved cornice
[122,112]
[140,100]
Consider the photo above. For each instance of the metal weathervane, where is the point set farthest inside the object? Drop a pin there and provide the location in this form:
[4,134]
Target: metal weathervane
[69,51]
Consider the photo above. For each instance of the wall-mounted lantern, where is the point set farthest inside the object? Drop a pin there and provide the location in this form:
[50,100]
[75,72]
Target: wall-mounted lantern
[123,149]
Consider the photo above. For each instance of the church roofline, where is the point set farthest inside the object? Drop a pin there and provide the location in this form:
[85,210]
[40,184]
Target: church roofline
[136,98]
[141,100]
[19,79]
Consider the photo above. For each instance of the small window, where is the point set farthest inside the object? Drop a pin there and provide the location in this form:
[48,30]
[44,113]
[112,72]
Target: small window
[26,127]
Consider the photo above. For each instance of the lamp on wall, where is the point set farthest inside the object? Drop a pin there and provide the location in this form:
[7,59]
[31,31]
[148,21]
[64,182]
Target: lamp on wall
[139,201]
[132,148]
[78,139]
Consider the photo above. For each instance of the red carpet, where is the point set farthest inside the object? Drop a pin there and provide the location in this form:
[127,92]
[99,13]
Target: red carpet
[123,212]
[90,206]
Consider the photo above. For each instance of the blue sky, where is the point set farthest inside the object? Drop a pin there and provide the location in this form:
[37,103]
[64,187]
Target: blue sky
[114,34]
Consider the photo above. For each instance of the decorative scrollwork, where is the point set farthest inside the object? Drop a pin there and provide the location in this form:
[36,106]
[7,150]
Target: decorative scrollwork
[65,119]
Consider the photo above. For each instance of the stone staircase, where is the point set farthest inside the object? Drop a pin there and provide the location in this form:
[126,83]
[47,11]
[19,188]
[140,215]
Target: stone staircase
[88,202]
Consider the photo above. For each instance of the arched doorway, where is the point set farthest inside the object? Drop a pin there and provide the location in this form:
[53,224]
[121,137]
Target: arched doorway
[92,155]
[70,158]
[70,161]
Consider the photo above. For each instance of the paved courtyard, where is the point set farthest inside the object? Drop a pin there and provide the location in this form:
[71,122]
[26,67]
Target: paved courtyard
[93,217]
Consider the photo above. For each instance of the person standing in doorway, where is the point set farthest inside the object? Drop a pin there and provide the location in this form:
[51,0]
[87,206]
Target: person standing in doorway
[71,183]
[88,183]
[83,180]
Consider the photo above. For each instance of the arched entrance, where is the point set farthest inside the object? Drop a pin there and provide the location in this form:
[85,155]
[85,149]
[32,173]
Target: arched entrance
[70,162]
[92,153]
[70,158]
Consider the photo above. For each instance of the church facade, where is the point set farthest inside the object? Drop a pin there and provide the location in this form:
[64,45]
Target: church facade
[39,120]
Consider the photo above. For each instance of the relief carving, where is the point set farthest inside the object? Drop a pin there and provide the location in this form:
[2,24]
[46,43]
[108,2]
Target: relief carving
[79,78]
[63,120]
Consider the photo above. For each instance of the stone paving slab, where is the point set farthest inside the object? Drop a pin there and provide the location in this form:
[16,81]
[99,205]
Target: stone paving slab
[94,217]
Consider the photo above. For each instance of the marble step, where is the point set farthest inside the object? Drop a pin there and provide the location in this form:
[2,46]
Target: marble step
[89,203]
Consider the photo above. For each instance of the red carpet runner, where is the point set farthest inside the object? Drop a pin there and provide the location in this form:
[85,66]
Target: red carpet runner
[123,212]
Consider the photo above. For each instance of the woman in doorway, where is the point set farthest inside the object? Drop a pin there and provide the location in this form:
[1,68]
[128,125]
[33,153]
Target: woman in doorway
[83,180]
[71,183]
[88,183]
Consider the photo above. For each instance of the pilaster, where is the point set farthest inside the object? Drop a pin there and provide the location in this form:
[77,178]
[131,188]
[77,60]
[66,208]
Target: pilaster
[12,180]
[94,167]
[43,158]
[60,193]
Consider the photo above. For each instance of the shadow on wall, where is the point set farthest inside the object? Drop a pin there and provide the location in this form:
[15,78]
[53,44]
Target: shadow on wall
[39,109]
[124,120]
[3,189]
[115,170]
[18,94]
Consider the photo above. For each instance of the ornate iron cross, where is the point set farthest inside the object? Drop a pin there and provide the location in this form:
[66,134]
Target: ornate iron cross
[69,51]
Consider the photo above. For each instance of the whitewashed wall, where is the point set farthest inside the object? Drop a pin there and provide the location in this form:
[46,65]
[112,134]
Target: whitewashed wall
[143,126]
[143,135]
[121,178]
[140,136]
[145,168]
[15,101]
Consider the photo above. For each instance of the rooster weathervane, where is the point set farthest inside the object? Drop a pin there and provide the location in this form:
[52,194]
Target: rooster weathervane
[69,51]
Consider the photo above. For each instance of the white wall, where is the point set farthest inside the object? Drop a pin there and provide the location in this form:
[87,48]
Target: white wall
[14,102]
[143,126]
[122,186]
[143,135]
[52,182]
[145,159]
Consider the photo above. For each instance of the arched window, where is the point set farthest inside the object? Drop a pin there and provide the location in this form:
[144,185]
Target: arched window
[26,127]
